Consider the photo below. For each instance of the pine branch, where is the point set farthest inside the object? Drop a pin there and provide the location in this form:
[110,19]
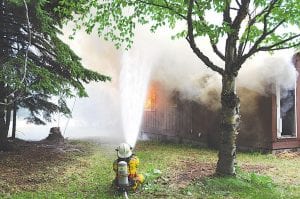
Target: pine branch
[25,61]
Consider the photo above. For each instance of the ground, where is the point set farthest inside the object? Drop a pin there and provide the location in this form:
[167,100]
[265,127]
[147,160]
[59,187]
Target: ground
[82,169]
[28,165]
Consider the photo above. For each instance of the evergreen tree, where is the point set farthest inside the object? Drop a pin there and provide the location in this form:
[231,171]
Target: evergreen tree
[35,64]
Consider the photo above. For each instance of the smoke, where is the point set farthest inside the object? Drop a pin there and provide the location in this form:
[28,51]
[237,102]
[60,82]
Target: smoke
[179,69]
[262,75]
[98,115]
[172,64]
[264,71]
[287,103]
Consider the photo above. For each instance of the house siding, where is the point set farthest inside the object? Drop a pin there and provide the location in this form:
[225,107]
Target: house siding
[193,123]
[184,121]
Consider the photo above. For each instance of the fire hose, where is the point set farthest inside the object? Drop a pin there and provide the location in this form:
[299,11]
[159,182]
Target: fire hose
[125,194]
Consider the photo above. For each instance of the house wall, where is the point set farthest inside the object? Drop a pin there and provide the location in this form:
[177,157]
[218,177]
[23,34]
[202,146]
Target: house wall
[256,120]
[287,143]
[186,122]
[189,122]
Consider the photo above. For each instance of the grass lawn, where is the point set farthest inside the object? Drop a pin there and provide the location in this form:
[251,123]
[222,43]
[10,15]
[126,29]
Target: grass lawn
[172,171]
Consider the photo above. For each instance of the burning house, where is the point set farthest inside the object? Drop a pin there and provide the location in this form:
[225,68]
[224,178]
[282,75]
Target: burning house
[268,122]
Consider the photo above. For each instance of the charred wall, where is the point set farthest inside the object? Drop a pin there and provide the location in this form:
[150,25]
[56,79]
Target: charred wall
[189,122]
[256,121]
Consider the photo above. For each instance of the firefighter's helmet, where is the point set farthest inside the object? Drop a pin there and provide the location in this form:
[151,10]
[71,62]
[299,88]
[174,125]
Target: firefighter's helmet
[124,150]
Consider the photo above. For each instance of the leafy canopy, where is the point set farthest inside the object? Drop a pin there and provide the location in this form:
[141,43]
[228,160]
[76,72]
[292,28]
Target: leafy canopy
[266,26]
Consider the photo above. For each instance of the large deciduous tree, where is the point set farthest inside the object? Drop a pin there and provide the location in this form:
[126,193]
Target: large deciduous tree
[248,27]
[35,64]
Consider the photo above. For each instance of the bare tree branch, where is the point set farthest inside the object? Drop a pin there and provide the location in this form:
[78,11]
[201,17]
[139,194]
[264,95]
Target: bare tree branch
[232,8]
[190,38]
[271,47]
[266,12]
[281,48]
[216,50]
[243,44]
[213,45]
[226,13]
[233,35]
[238,3]
[252,21]
[242,13]
[168,7]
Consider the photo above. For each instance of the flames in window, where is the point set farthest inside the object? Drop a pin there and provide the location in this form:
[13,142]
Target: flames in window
[151,98]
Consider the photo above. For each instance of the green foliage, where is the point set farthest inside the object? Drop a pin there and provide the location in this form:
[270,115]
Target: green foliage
[245,185]
[116,20]
[53,69]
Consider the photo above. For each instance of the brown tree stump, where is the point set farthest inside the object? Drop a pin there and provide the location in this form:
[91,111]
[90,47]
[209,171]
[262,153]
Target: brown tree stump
[55,135]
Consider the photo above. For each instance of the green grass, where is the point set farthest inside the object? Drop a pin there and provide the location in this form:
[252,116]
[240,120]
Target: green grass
[91,175]
[245,185]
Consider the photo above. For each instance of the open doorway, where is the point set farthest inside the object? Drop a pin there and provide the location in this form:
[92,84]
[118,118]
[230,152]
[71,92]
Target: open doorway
[286,113]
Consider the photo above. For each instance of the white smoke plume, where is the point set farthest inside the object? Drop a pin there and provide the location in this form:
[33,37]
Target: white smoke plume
[173,65]
[180,69]
[264,71]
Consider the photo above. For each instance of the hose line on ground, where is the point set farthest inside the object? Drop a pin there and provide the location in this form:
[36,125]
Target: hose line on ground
[125,194]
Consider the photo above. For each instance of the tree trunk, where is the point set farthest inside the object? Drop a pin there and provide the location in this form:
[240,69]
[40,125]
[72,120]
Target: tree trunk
[13,134]
[3,138]
[7,120]
[3,134]
[229,127]
[3,126]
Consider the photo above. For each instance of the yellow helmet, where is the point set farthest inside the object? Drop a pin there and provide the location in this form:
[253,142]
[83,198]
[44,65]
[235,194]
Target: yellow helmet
[124,150]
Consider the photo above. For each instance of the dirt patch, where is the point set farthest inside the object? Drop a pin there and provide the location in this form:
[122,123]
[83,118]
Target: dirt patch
[288,154]
[29,165]
[255,168]
[189,170]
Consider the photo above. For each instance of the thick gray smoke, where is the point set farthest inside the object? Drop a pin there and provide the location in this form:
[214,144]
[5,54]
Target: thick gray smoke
[174,67]
[180,69]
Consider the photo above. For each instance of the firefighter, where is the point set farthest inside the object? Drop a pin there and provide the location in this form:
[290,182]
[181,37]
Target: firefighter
[125,154]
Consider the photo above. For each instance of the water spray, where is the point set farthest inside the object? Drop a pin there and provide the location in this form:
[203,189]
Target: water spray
[134,79]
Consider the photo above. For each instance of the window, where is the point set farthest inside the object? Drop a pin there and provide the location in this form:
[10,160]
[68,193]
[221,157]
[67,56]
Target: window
[286,113]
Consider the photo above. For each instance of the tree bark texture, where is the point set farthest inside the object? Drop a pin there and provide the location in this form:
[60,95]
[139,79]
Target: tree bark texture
[3,118]
[13,134]
[7,120]
[229,127]
[2,123]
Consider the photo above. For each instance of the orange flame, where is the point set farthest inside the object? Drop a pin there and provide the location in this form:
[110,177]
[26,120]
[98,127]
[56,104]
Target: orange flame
[151,99]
